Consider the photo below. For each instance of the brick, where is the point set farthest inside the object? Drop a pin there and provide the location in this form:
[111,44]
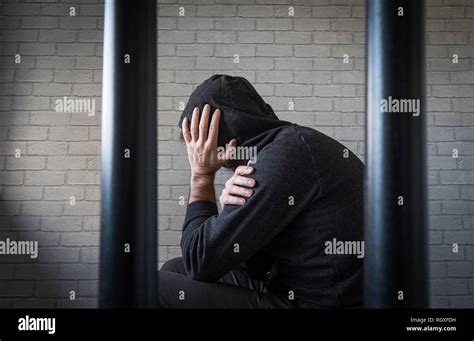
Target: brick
[88,288]
[274,50]
[169,237]
[88,63]
[215,37]
[55,63]
[334,91]
[92,36]
[19,35]
[293,90]
[47,148]
[30,103]
[79,238]
[274,24]
[331,12]
[175,37]
[445,253]
[313,77]
[63,193]
[34,75]
[42,208]
[49,118]
[84,148]
[16,288]
[51,89]
[21,9]
[298,64]
[461,302]
[460,237]
[332,38]
[255,37]
[57,224]
[234,24]
[53,289]
[255,11]
[22,193]
[36,271]
[82,208]
[35,49]
[25,163]
[172,63]
[457,177]
[447,38]
[78,271]
[39,22]
[274,76]
[77,23]
[28,133]
[312,104]
[76,49]
[190,50]
[83,177]
[293,37]
[257,63]
[68,133]
[44,178]
[448,286]
[461,269]
[311,24]
[445,12]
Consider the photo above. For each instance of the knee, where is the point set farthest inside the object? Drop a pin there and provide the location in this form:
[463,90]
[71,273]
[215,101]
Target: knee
[175,265]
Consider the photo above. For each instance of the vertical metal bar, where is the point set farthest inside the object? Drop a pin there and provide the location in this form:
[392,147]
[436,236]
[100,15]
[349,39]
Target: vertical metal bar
[395,207]
[128,251]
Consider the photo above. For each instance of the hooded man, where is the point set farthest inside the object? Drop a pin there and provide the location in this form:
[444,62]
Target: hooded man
[269,246]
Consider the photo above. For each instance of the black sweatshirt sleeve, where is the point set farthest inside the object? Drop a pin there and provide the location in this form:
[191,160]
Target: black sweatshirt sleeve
[213,244]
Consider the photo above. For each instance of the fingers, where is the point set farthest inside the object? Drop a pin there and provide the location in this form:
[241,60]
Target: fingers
[195,124]
[231,200]
[238,187]
[204,123]
[237,190]
[186,133]
[241,181]
[242,170]
[214,128]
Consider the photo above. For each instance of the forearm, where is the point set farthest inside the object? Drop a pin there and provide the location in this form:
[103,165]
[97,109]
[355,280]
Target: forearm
[202,188]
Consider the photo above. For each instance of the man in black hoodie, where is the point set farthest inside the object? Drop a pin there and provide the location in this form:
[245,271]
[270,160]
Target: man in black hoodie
[295,240]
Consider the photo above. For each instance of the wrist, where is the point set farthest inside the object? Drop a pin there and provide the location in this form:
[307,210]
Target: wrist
[202,179]
[202,188]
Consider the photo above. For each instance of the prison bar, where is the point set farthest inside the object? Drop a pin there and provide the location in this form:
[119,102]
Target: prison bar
[395,199]
[128,249]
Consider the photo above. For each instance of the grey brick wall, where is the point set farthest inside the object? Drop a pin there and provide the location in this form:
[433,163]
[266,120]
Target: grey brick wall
[297,58]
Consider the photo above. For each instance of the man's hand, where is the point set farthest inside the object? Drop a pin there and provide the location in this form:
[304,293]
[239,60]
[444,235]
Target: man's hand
[237,186]
[203,155]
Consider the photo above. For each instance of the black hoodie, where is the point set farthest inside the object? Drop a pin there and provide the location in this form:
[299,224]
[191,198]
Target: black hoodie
[308,197]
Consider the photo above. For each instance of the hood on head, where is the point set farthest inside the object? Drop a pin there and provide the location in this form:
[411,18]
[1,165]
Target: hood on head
[244,114]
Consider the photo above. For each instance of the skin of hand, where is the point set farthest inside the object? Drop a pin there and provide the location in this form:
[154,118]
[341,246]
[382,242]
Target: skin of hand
[237,187]
[201,144]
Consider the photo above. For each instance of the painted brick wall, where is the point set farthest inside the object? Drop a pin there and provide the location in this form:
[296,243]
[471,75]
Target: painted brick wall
[296,58]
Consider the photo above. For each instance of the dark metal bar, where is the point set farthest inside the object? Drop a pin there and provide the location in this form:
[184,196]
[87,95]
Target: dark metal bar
[129,161]
[395,208]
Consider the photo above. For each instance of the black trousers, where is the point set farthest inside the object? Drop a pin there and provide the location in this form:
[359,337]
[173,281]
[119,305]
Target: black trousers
[235,290]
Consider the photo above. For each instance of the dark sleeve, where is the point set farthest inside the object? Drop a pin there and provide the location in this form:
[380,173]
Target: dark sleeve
[213,244]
